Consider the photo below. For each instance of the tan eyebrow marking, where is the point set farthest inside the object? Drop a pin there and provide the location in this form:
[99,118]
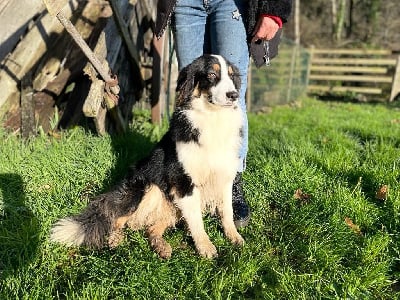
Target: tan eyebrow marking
[216,67]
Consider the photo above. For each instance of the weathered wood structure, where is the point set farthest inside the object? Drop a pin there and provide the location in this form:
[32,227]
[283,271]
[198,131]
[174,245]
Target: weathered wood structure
[45,73]
[357,71]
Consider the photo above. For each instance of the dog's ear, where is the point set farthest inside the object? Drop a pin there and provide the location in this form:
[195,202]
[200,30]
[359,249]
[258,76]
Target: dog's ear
[185,85]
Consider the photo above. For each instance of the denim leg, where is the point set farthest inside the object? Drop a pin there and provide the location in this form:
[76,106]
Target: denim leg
[214,27]
[189,27]
[229,39]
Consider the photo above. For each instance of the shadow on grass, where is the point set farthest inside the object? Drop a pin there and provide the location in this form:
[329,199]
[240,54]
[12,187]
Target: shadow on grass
[19,228]
[128,149]
[360,99]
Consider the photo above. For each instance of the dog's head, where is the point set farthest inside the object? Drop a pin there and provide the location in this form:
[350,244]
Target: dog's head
[211,77]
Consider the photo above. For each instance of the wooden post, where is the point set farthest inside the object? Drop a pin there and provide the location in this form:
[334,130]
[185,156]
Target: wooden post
[156,105]
[297,22]
[168,90]
[292,67]
[27,107]
[396,81]
[248,90]
[310,58]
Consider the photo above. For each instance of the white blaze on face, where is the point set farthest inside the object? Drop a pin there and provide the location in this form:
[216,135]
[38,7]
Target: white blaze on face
[225,84]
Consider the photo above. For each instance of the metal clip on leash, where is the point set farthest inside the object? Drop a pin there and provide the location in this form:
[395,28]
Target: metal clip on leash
[266,55]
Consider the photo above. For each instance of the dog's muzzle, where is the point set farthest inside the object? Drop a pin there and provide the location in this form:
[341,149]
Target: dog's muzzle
[232,96]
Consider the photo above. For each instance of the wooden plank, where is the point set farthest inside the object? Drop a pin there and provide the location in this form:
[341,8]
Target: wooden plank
[54,6]
[357,89]
[94,99]
[64,58]
[353,51]
[354,61]
[107,49]
[396,82]
[101,122]
[355,78]
[349,69]
[15,19]
[27,54]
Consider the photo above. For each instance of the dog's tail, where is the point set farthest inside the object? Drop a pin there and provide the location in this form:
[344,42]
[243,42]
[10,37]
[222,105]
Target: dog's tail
[92,227]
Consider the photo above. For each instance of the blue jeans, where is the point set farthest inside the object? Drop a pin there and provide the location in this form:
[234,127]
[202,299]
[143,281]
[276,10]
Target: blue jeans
[214,27]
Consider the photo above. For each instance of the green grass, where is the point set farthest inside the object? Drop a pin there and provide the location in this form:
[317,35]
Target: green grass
[339,154]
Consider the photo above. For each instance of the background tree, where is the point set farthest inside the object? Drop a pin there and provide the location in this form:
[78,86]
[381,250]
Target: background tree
[347,23]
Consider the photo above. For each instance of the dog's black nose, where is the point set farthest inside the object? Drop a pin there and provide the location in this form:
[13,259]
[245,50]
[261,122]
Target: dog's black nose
[233,95]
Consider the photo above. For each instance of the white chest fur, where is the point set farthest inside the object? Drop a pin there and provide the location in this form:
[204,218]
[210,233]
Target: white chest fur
[217,152]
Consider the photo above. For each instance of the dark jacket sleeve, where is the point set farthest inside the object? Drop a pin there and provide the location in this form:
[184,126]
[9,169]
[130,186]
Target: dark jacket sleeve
[279,8]
[165,9]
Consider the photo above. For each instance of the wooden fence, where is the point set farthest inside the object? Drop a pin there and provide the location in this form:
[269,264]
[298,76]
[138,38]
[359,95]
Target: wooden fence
[45,76]
[370,75]
[354,71]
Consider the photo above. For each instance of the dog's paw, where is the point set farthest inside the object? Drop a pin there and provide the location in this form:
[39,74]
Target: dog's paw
[235,237]
[207,250]
[237,240]
[161,247]
[115,238]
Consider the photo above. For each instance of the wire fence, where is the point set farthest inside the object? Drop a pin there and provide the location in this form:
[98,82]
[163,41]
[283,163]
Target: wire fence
[284,81]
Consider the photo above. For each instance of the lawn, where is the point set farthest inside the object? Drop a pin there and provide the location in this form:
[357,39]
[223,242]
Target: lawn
[322,180]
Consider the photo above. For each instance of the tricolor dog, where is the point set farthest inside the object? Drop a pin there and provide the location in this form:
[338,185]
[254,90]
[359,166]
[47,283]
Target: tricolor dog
[189,172]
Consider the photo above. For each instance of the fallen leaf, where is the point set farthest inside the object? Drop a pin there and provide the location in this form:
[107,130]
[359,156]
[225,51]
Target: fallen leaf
[355,228]
[302,197]
[382,193]
[72,253]
[44,187]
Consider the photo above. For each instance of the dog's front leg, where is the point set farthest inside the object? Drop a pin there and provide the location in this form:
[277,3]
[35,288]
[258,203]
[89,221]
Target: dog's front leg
[226,213]
[190,207]
[157,242]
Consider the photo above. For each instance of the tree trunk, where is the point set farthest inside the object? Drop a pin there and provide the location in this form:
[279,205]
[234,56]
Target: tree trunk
[297,22]
[349,27]
[334,17]
[340,20]
[338,17]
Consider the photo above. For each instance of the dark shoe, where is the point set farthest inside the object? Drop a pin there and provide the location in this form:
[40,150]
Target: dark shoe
[241,211]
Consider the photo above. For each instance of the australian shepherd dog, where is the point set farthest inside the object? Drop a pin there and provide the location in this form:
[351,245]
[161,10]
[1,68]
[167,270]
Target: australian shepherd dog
[188,173]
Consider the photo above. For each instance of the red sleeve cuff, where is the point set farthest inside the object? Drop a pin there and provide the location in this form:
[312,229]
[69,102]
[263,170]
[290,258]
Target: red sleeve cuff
[275,18]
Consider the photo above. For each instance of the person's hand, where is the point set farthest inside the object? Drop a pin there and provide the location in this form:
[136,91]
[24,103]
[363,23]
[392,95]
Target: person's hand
[265,29]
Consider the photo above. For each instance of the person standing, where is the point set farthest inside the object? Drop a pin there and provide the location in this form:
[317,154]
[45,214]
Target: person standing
[235,29]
